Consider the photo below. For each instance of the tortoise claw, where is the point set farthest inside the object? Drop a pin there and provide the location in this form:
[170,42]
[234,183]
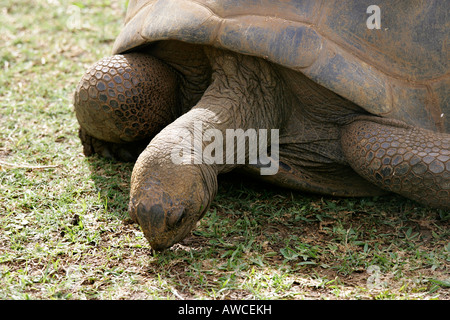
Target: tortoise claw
[120,152]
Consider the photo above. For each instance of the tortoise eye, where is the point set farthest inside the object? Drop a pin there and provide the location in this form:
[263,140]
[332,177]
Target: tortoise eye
[175,217]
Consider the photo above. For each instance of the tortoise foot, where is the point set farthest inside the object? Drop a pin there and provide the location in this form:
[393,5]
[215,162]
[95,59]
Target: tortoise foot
[128,152]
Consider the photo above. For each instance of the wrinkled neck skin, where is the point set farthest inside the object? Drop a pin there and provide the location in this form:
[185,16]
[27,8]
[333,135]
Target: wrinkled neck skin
[167,198]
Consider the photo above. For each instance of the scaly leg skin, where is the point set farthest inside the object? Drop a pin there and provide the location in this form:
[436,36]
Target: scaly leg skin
[122,102]
[168,199]
[407,160]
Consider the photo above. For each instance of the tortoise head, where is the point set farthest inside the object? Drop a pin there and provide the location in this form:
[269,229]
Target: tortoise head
[167,201]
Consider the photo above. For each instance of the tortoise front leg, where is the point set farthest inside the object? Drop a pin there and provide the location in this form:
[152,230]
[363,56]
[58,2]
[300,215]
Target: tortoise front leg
[169,197]
[122,101]
[407,160]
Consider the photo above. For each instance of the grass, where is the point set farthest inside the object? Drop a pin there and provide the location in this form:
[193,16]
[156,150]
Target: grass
[64,229]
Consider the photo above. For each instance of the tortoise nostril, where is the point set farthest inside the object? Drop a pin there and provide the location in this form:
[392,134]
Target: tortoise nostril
[175,216]
[150,217]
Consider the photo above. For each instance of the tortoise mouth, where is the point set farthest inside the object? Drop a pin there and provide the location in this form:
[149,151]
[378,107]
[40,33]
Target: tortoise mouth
[161,240]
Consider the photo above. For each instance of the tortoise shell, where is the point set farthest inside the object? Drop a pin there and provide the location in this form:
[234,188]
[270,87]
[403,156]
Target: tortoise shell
[400,70]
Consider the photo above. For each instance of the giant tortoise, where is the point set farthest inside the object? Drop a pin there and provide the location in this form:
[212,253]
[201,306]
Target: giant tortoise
[354,111]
